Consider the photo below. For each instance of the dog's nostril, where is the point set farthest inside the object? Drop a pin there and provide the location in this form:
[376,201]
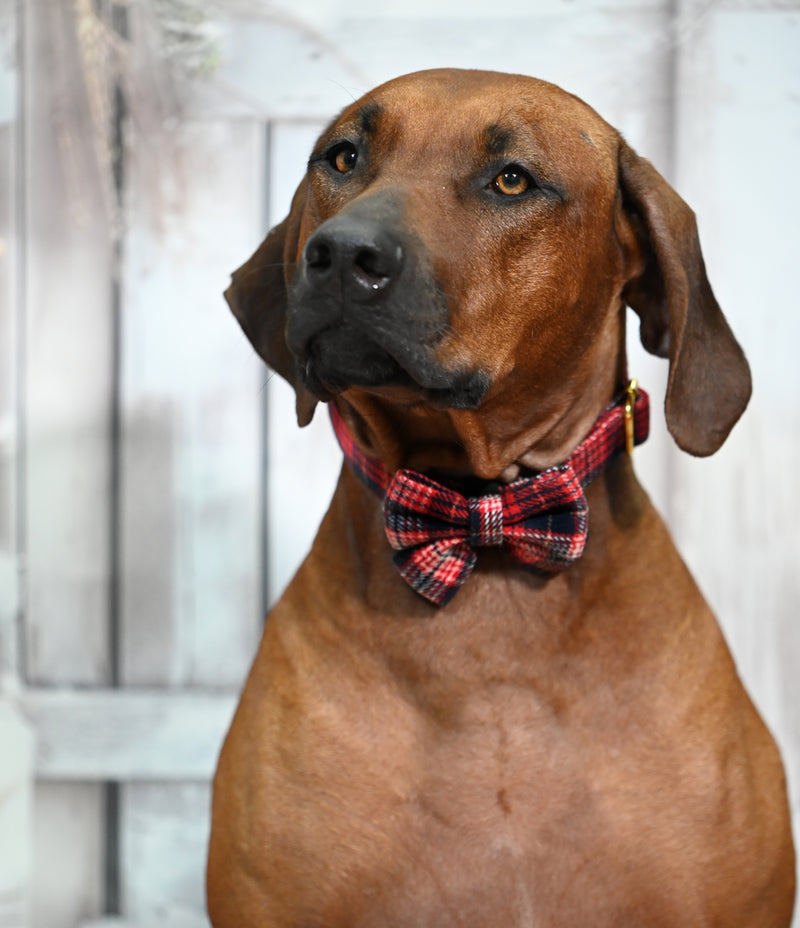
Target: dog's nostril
[359,264]
[318,256]
[376,267]
[369,261]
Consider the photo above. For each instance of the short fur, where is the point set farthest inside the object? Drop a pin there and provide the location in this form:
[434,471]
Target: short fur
[566,751]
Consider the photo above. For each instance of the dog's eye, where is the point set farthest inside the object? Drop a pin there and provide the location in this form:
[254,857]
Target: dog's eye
[343,157]
[511,181]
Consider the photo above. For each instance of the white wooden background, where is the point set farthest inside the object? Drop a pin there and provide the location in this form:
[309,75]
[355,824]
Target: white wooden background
[147,459]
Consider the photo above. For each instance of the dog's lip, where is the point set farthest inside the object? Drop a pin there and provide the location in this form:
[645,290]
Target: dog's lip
[313,383]
[417,370]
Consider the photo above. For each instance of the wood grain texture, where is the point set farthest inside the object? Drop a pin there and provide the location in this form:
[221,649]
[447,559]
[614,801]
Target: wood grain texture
[16,817]
[165,828]
[736,515]
[9,332]
[68,362]
[97,735]
[68,873]
[310,60]
[191,401]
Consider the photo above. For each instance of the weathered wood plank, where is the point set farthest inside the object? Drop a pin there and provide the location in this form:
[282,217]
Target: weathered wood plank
[173,918]
[165,829]
[737,514]
[98,735]
[16,736]
[192,416]
[67,376]
[180,918]
[9,306]
[68,850]
[191,401]
[16,825]
[68,362]
[287,60]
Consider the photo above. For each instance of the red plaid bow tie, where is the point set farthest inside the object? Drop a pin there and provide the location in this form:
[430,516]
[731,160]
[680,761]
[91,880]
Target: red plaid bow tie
[541,520]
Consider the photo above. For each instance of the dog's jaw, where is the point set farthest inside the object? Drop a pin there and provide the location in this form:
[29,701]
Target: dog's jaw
[338,358]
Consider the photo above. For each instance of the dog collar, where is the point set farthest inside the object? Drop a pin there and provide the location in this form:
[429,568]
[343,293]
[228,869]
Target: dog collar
[542,519]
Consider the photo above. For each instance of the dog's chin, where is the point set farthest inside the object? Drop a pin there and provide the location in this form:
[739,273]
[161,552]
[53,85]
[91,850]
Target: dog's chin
[331,366]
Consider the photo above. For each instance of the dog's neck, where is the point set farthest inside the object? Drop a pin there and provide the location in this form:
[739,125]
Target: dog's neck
[623,423]
[525,421]
[398,430]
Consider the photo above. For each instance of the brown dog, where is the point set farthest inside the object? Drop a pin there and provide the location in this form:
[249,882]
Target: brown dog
[550,748]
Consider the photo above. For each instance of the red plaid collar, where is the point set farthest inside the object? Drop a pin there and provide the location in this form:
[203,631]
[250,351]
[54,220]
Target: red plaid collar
[542,519]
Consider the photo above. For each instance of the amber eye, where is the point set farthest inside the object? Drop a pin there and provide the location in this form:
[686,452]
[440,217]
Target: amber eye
[511,181]
[343,157]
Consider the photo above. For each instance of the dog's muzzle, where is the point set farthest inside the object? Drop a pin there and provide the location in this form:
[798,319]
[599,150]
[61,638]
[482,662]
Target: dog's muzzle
[365,310]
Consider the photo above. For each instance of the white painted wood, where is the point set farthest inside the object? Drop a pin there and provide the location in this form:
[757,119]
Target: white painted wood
[98,735]
[16,817]
[286,59]
[738,513]
[9,253]
[173,918]
[67,394]
[165,828]
[191,399]
[192,407]
[68,854]
[67,366]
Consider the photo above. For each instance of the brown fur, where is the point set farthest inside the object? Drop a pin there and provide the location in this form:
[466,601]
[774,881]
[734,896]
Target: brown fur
[565,751]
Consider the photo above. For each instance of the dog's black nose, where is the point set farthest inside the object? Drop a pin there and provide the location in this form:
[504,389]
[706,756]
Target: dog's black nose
[360,258]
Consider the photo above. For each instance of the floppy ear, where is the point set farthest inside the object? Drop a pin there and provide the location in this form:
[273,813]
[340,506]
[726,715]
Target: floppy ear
[709,378]
[257,296]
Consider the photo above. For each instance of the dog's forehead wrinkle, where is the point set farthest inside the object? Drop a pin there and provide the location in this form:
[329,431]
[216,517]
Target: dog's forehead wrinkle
[361,120]
[369,114]
[498,138]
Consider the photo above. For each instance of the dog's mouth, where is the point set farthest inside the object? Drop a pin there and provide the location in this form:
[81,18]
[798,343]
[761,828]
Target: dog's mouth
[343,356]
[337,357]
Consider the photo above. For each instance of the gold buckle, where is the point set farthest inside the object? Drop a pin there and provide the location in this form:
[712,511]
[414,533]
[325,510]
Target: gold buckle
[630,401]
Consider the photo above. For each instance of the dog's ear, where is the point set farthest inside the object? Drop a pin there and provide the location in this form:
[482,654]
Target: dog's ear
[257,296]
[709,378]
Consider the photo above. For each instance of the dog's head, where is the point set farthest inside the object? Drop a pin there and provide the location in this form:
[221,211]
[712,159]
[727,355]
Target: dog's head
[459,256]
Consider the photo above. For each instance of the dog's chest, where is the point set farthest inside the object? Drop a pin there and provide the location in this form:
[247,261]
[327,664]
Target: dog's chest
[514,812]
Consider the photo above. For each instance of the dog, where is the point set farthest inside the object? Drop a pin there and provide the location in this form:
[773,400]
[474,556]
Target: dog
[493,695]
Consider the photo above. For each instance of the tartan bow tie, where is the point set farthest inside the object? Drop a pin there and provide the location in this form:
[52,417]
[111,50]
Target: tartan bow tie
[541,520]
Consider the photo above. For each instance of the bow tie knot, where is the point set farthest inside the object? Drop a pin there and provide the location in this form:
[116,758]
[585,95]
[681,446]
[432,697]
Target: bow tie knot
[486,520]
